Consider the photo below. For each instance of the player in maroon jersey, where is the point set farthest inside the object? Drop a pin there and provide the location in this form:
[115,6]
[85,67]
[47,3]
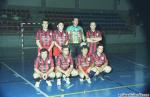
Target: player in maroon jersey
[100,62]
[61,38]
[84,64]
[64,66]
[93,37]
[44,38]
[43,68]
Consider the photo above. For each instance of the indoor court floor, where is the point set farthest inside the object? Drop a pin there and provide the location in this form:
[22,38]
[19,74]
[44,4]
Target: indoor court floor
[130,74]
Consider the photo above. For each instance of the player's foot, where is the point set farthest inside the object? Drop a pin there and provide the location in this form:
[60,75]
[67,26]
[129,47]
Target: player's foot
[88,80]
[49,83]
[37,84]
[64,77]
[81,80]
[67,81]
[58,82]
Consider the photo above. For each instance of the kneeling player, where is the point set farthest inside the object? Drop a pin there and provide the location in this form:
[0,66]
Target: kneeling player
[65,66]
[84,64]
[43,68]
[100,62]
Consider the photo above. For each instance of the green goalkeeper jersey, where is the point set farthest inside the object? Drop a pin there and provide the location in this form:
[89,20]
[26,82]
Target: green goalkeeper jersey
[76,34]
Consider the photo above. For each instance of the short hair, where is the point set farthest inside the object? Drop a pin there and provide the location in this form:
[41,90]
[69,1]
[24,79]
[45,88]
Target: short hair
[44,20]
[65,46]
[44,50]
[84,47]
[100,44]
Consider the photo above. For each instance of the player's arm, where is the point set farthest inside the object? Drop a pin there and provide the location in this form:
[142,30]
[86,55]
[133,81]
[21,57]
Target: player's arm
[38,44]
[51,65]
[83,37]
[57,45]
[51,46]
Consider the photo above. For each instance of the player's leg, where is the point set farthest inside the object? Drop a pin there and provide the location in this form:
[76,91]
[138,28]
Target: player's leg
[37,78]
[49,78]
[107,69]
[74,73]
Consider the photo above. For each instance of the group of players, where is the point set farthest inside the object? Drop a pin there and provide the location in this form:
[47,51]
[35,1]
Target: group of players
[65,54]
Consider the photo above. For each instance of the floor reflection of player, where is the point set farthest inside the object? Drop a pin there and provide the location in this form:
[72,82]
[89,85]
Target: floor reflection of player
[44,38]
[43,68]
[65,66]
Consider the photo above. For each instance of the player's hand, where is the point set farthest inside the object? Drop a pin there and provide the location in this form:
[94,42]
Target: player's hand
[97,73]
[44,76]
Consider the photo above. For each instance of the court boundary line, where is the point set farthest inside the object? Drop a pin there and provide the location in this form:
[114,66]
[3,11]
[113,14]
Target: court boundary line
[38,89]
[98,90]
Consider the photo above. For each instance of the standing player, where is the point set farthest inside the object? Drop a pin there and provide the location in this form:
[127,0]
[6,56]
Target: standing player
[43,68]
[93,38]
[44,38]
[76,36]
[61,38]
[100,62]
[65,66]
[84,64]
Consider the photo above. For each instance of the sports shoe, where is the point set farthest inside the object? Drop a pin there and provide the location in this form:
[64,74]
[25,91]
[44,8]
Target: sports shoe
[67,80]
[49,83]
[37,84]
[81,80]
[58,82]
[88,80]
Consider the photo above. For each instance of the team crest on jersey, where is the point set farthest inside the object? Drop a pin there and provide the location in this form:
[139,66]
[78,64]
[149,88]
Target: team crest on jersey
[68,60]
[102,58]
[50,34]
[89,59]
[45,39]
[48,62]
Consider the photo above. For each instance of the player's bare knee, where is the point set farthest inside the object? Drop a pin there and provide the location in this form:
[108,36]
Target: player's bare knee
[36,75]
[107,69]
[58,74]
[74,73]
[52,75]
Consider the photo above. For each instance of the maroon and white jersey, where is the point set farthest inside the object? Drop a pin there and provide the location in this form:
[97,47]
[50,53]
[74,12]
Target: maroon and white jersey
[84,61]
[93,46]
[45,38]
[61,37]
[99,60]
[64,63]
[43,65]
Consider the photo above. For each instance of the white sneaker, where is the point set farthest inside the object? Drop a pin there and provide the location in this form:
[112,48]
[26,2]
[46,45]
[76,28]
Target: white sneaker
[49,83]
[37,84]
[58,82]
[67,80]
[88,80]
[64,77]
[81,80]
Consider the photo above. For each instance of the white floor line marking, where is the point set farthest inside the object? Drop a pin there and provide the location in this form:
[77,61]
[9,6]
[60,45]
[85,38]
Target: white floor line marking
[39,90]
[131,61]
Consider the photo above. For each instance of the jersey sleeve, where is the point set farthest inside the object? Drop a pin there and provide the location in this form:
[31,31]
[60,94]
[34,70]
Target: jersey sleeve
[83,37]
[36,63]
[52,62]
[87,34]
